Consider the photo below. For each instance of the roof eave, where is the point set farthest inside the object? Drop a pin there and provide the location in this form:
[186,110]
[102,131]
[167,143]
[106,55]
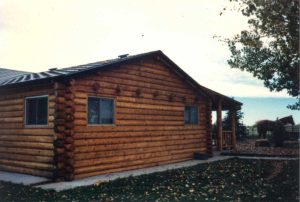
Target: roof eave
[200,87]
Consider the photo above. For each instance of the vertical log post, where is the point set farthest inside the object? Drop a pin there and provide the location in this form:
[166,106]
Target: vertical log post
[219,126]
[233,127]
[63,126]
[69,141]
[209,128]
[59,129]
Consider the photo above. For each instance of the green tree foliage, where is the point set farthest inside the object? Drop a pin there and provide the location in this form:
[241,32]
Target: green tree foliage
[241,131]
[269,49]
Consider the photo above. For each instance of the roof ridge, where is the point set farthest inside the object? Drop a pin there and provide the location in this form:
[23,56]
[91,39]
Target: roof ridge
[113,59]
[1,68]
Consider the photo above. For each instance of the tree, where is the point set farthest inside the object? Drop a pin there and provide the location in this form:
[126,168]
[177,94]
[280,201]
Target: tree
[241,131]
[269,49]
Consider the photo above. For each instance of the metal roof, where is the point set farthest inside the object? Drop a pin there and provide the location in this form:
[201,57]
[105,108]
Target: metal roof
[22,77]
[9,74]
[12,77]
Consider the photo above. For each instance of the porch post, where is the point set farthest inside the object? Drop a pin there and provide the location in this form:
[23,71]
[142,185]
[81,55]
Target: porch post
[219,126]
[233,127]
[209,128]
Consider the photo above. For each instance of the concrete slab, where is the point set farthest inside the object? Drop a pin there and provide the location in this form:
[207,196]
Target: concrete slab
[24,179]
[266,158]
[59,186]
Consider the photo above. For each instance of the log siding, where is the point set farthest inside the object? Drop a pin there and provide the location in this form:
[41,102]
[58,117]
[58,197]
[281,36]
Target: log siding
[26,149]
[149,124]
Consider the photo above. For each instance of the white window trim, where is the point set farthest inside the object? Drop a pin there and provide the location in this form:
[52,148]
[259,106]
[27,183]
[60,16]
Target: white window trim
[99,124]
[25,114]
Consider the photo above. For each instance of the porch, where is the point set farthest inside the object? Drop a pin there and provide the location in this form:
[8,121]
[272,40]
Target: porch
[225,138]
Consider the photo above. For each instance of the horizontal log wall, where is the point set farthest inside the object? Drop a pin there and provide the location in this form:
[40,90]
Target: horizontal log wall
[25,149]
[149,128]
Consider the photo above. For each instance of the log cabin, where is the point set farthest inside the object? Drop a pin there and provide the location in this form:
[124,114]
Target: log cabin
[126,113]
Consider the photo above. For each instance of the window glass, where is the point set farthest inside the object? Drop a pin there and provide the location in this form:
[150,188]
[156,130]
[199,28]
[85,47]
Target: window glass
[106,111]
[187,112]
[30,111]
[191,115]
[93,110]
[194,115]
[100,110]
[37,111]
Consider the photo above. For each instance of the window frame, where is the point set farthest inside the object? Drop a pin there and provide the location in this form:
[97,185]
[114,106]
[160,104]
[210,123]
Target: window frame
[25,112]
[198,118]
[101,124]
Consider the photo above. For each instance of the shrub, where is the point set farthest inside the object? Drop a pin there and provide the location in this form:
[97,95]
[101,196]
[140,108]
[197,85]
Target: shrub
[278,134]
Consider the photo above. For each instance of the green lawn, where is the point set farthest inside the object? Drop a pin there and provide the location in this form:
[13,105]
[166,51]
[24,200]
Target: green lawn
[228,180]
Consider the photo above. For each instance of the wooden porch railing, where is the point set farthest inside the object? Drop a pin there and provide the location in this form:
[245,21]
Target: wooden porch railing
[227,139]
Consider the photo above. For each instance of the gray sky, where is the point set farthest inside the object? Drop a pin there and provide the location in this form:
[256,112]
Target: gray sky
[36,35]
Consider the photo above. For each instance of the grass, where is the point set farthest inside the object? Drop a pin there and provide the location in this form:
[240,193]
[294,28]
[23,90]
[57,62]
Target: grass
[228,180]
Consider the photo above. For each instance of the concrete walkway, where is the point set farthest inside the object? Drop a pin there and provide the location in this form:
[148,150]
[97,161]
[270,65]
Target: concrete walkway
[59,186]
[265,158]
[24,179]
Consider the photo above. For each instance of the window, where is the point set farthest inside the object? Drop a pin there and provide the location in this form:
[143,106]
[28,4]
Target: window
[100,110]
[191,115]
[36,110]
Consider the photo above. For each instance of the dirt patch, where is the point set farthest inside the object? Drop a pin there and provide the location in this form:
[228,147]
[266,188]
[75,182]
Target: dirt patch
[277,168]
[248,147]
